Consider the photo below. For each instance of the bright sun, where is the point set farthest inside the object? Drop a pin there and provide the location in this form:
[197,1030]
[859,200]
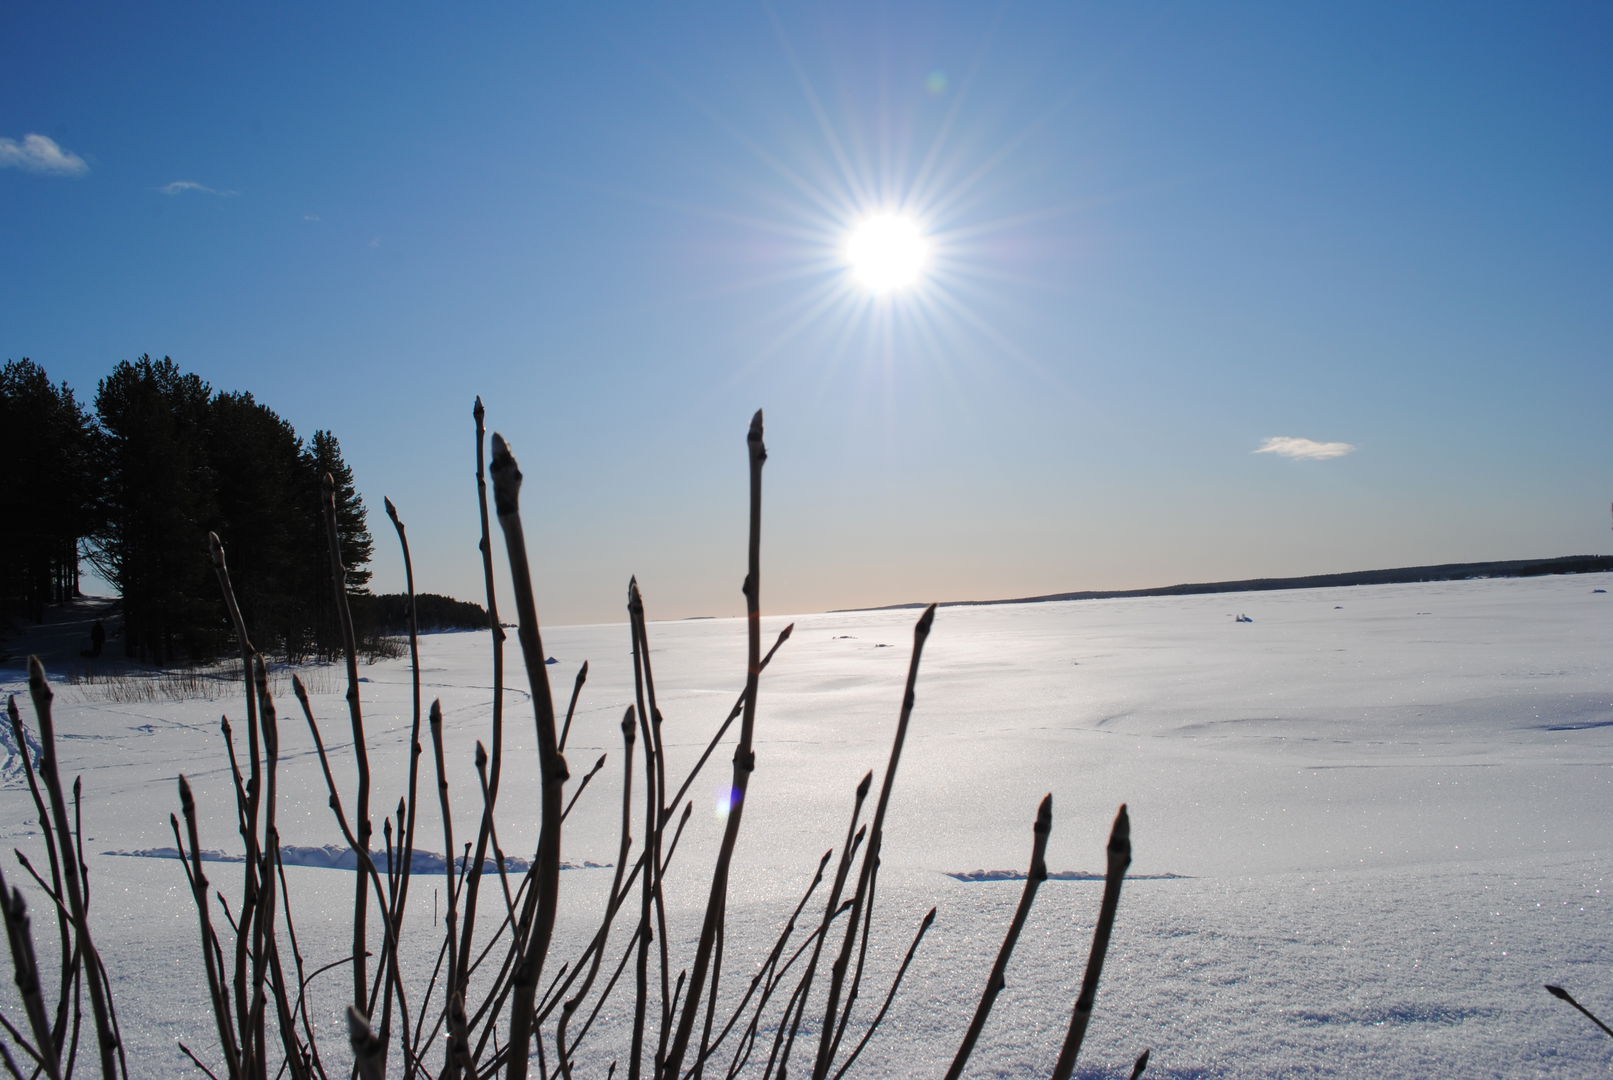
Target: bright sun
[887,252]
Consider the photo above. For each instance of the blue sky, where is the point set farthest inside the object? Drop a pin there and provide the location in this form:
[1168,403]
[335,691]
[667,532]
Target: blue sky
[1163,235]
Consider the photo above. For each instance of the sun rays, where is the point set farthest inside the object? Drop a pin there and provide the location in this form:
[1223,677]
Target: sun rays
[874,228]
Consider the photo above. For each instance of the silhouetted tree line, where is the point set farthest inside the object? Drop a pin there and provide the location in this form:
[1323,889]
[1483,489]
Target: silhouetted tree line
[388,613]
[135,487]
[46,455]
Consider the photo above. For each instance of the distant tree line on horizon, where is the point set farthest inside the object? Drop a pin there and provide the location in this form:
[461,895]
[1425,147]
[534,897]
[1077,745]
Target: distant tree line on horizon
[1399,575]
[135,486]
[388,613]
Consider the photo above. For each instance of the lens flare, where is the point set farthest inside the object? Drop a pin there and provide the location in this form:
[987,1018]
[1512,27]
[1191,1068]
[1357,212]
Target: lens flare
[726,799]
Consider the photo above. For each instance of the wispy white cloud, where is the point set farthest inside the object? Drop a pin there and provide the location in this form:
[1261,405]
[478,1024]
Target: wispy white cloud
[1289,446]
[310,217]
[180,187]
[41,154]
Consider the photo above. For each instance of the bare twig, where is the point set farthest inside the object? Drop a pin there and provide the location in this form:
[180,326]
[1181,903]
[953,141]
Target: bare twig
[890,995]
[196,1061]
[624,843]
[109,1044]
[361,754]
[26,969]
[366,863]
[1119,857]
[582,785]
[5,1053]
[998,978]
[854,838]
[627,886]
[266,947]
[248,801]
[744,763]
[490,785]
[300,1007]
[457,1042]
[571,709]
[64,919]
[369,1052]
[765,978]
[733,714]
[536,926]
[212,955]
[654,772]
[407,841]
[833,1019]
[410,802]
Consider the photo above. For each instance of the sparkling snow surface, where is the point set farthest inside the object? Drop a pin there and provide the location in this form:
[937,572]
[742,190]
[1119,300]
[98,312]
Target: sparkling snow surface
[1368,825]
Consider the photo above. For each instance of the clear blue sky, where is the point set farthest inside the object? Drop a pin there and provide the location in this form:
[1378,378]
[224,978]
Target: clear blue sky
[1163,235]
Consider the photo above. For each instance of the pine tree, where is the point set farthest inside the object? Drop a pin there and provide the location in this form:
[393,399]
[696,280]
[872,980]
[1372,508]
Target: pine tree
[256,460]
[158,503]
[46,440]
[324,456]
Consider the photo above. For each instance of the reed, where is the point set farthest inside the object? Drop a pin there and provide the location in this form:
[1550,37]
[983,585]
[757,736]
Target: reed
[499,1002]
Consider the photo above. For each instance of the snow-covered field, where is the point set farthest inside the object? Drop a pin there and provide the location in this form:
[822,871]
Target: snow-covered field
[1368,825]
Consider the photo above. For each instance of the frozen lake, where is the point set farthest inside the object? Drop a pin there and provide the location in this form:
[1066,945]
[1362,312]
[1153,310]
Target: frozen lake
[1368,824]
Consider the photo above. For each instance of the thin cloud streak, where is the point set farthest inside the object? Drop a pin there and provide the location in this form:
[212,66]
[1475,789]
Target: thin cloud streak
[180,187]
[1298,449]
[40,154]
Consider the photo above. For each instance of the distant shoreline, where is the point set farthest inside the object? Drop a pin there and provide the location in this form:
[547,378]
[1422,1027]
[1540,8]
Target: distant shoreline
[1563,564]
